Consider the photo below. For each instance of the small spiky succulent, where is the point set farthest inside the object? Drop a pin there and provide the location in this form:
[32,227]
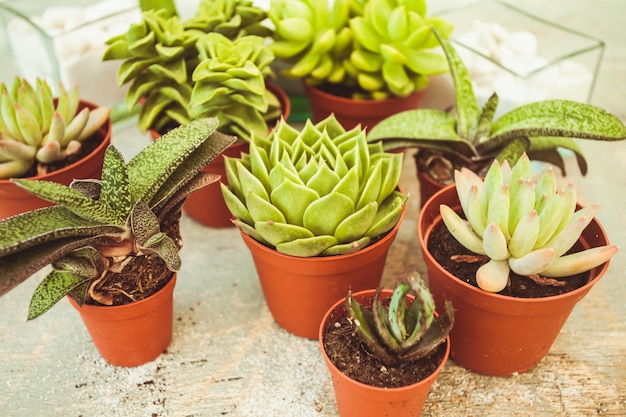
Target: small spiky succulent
[319,191]
[34,130]
[469,137]
[377,48]
[521,224]
[98,227]
[169,63]
[401,333]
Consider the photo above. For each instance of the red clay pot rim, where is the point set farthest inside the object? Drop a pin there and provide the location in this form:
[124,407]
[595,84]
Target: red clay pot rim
[320,338]
[488,295]
[363,102]
[108,126]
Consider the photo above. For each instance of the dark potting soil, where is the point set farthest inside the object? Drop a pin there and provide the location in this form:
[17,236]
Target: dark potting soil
[444,247]
[352,357]
[142,276]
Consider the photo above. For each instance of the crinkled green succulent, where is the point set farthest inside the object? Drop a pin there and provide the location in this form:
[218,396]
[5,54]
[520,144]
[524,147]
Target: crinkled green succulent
[97,227]
[319,191]
[163,58]
[470,138]
[34,130]
[521,224]
[229,83]
[377,48]
[400,332]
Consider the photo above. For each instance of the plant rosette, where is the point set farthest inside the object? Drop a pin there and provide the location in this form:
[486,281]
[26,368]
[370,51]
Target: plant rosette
[315,197]
[499,332]
[15,200]
[364,399]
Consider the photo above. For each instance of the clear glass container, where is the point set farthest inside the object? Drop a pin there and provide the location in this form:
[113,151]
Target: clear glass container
[522,57]
[65,41]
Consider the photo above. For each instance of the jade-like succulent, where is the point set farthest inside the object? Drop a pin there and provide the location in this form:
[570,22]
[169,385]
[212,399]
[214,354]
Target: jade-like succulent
[400,333]
[34,130]
[376,48]
[163,58]
[319,191]
[229,83]
[101,226]
[521,224]
[470,138]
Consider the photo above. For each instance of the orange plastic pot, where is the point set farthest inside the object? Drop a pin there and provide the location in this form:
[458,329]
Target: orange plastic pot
[131,334]
[355,399]
[15,200]
[351,112]
[207,205]
[494,334]
[299,291]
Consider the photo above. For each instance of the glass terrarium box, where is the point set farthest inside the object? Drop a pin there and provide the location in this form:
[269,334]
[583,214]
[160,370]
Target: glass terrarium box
[65,41]
[522,57]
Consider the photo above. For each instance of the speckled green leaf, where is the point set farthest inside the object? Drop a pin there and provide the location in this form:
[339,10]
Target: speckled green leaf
[114,185]
[71,199]
[161,245]
[52,288]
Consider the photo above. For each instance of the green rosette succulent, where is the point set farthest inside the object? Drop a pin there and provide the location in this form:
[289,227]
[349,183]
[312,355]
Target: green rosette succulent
[401,332]
[470,138]
[377,48]
[97,227]
[229,83]
[161,56]
[36,131]
[319,191]
[521,225]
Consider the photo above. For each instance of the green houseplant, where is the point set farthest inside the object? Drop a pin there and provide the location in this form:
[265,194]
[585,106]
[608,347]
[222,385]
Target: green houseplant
[400,334]
[470,137]
[370,51]
[102,233]
[518,254]
[315,197]
[214,64]
[46,137]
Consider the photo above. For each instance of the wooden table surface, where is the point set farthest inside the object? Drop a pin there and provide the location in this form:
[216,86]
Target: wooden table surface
[228,357]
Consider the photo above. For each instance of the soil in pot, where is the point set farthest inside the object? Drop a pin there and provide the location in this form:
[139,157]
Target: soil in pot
[463,264]
[352,358]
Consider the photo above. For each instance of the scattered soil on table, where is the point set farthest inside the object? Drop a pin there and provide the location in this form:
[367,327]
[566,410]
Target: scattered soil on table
[352,357]
[442,246]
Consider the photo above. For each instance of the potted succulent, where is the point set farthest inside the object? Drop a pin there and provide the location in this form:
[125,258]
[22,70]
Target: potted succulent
[214,64]
[384,349]
[470,137]
[514,254]
[362,61]
[318,208]
[55,139]
[113,243]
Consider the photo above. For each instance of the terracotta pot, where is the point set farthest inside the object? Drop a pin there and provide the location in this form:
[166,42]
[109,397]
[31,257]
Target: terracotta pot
[15,200]
[494,334]
[131,334]
[350,112]
[207,205]
[299,291]
[355,399]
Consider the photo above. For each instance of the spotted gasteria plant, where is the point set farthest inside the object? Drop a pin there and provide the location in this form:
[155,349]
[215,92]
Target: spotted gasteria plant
[100,226]
[376,48]
[34,130]
[401,332]
[470,138]
[521,224]
[319,191]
